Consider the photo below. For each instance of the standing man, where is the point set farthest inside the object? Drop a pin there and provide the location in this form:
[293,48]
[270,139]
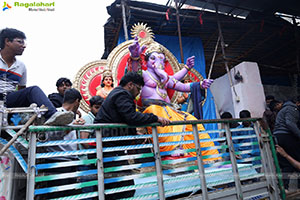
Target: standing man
[287,134]
[62,84]
[13,76]
[119,107]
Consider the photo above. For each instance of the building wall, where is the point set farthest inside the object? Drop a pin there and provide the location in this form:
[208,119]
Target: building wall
[281,93]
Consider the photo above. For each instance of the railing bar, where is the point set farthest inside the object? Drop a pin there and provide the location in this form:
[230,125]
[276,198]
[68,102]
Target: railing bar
[20,139]
[65,164]
[31,167]
[115,125]
[158,166]
[80,141]
[200,162]
[235,171]
[79,196]
[100,168]
[267,171]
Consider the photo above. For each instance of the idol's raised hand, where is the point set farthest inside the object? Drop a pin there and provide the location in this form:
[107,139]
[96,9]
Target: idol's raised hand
[190,62]
[206,83]
[135,49]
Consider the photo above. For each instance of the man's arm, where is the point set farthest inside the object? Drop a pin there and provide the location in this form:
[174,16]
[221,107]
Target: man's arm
[126,107]
[127,110]
[23,81]
[291,160]
[291,119]
[84,135]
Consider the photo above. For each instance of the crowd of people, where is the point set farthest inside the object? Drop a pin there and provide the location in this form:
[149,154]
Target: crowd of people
[117,105]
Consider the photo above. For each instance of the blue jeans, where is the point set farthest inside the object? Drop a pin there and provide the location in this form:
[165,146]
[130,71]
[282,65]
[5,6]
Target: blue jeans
[29,95]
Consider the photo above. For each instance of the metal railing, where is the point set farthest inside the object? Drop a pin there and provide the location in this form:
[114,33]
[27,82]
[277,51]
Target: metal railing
[227,174]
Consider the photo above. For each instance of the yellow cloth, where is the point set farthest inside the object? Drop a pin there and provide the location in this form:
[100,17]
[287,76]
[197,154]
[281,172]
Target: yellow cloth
[173,115]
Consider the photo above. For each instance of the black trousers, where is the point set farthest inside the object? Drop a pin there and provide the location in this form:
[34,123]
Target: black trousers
[291,144]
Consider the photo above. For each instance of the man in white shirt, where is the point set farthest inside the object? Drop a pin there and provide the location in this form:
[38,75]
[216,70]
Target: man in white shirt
[13,77]
[71,103]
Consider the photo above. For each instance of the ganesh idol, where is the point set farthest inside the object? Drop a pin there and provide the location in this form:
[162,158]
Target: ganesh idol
[156,100]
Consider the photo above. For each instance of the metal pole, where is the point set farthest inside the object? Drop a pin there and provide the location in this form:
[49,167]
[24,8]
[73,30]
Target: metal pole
[277,168]
[200,162]
[1,114]
[272,186]
[159,173]
[124,19]
[213,59]
[179,31]
[235,171]
[100,168]
[223,53]
[31,167]
[297,55]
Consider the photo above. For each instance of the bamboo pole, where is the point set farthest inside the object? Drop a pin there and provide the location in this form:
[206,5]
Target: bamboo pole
[179,31]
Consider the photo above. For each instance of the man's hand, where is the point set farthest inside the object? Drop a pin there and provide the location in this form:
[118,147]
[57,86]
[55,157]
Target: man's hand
[163,121]
[205,84]
[79,121]
[190,62]
[78,113]
[135,49]
[281,151]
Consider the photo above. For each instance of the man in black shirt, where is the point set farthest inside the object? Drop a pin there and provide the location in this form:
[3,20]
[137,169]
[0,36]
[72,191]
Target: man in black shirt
[119,107]
[62,85]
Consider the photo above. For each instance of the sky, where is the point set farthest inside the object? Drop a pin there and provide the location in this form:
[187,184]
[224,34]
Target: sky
[59,42]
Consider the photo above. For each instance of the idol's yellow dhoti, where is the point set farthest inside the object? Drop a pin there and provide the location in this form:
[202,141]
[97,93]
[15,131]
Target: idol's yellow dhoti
[169,113]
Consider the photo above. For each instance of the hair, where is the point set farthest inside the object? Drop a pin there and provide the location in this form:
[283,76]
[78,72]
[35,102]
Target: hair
[245,114]
[270,97]
[273,104]
[60,81]
[10,34]
[132,77]
[226,115]
[296,99]
[71,95]
[96,100]
[112,84]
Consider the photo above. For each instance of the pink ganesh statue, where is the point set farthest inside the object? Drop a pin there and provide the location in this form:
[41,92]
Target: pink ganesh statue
[155,99]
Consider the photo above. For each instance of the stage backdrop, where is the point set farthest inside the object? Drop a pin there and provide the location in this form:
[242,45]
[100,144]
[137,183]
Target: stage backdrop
[191,46]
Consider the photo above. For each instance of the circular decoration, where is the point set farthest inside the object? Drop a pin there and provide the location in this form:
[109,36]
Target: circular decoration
[87,81]
[141,31]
